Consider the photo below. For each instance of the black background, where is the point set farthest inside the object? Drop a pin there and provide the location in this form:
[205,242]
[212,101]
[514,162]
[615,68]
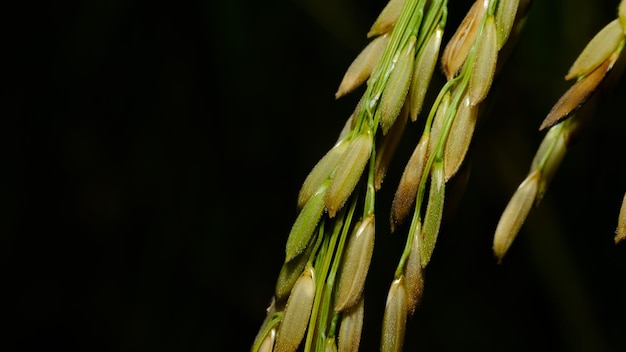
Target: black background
[154,151]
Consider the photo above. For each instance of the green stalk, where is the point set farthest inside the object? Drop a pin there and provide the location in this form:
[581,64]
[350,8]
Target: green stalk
[324,259]
[330,281]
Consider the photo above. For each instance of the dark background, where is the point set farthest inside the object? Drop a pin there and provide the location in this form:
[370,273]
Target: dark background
[154,151]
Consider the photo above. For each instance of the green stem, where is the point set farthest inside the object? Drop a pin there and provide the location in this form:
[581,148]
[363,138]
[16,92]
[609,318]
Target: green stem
[324,259]
[330,281]
[274,320]
[435,17]
[319,283]
[370,192]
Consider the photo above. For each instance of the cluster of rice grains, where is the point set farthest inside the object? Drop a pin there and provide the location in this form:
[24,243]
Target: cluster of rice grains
[565,122]
[318,303]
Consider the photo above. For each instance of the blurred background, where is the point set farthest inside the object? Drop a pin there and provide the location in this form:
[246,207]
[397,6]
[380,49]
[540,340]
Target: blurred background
[154,151]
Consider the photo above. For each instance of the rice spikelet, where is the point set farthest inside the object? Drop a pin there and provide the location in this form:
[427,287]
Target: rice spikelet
[394,318]
[387,18]
[305,224]
[484,63]
[404,198]
[297,313]
[598,50]
[321,172]
[422,74]
[351,327]
[289,274]
[459,138]
[505,19]
[515,214]
[414,273]
[355,264]
[578,94]
[397,86]
[363,65]
[459,46]
[348,172]
[434,212]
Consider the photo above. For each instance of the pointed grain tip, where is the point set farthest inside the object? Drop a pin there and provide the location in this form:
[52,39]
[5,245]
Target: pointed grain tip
[387,18]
